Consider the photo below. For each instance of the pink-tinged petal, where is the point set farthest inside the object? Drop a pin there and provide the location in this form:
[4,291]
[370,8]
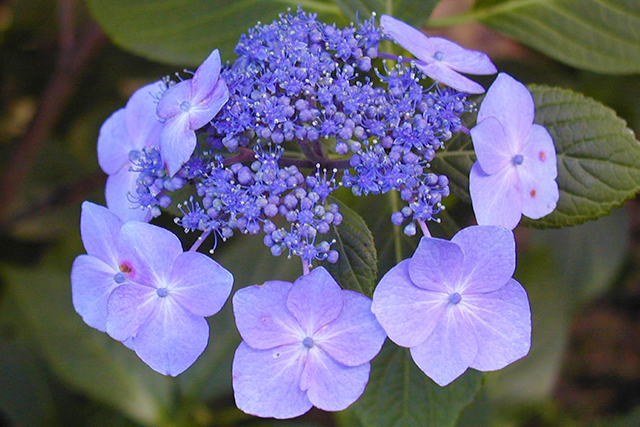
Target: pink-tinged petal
[511,103]
[175,101]
[147,253]
[539,197]
[355,337]
[129,307]
[205,78]
[114,143]
[143,124]
[266,383]
[171,339]
[496,198]
[118,195]
[408,37]
[502,320]
[436,265]
[100,229]
[262,317]
[204,111]
[177,142]
[199,283]
[539,153]
[315,300]
[441,73]
[92,281]
[449,350]
[489,258]
[462,60]
[407,313]
[491,146]
[330,385]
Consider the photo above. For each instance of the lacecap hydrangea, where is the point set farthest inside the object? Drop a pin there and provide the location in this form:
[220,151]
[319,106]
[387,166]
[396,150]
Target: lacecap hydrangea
[261,143]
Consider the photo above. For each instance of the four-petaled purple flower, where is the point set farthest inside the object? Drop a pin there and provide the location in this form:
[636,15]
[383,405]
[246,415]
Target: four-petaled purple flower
[188,106]
[138,285]
[455,305]
[516,167]
[439,58]
[122,136]
[306,343]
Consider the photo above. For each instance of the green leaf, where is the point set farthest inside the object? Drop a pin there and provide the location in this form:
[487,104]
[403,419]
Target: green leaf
[415,12]
[184,32]
[596,35]
[357,267]
[598,157]
[399,394]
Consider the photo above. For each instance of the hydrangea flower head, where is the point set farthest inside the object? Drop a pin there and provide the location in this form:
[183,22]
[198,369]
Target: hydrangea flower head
[305,344]
[516,167]
[122,136]
[439,58]
[188,106]
[455,305]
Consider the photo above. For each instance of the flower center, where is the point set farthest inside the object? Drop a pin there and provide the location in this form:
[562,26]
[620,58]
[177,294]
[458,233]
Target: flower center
[185,106]
[307,342]
[119,278]
[438,56]
[518,159]
[162,292]
[455,298]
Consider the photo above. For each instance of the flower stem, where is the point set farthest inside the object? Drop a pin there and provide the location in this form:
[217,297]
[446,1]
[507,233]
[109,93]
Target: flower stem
[305,267]
[424,228]
[199,241]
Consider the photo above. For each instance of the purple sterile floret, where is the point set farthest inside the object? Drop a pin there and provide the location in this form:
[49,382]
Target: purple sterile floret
[439,58]
[161,309]
[305,344]
[517,166]
[122,136]
[186,107]
[455,305]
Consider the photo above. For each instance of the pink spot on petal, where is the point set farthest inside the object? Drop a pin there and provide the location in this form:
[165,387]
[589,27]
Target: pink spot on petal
[533,193]
[543,156]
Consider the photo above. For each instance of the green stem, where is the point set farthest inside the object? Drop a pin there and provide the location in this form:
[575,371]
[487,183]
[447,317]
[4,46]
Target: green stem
[397,247]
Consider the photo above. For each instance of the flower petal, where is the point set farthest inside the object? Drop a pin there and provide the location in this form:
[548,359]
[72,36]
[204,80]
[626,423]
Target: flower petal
[491,146]
[461,59]
[441,73]
[355,337]
[436,265]
[177,142]
[205,78]
[511,103]
[142,121]
[407,313]
[496,198]
[266,383]
[332,386]
[118,193]
[408,37]
[315,300]
[204,111]
[129,307]
[171,102]
[262,317]
[171,339]
[199,283]
[149,252]
[489,258]
[114,143]
[91,284]
[449,350]
[502,320]
[100,229]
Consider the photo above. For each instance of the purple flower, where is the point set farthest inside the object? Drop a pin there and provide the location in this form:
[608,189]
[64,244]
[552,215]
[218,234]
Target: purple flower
[306,343]
[138,285]
[516,167]
[439,58]
[455,305]
[188,106]
[122,136]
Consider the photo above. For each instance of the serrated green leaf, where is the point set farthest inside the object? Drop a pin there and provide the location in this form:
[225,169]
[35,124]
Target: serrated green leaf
[357,267]
[598,157]
[596,35]
[399,394]
[415,12]
[184,32]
